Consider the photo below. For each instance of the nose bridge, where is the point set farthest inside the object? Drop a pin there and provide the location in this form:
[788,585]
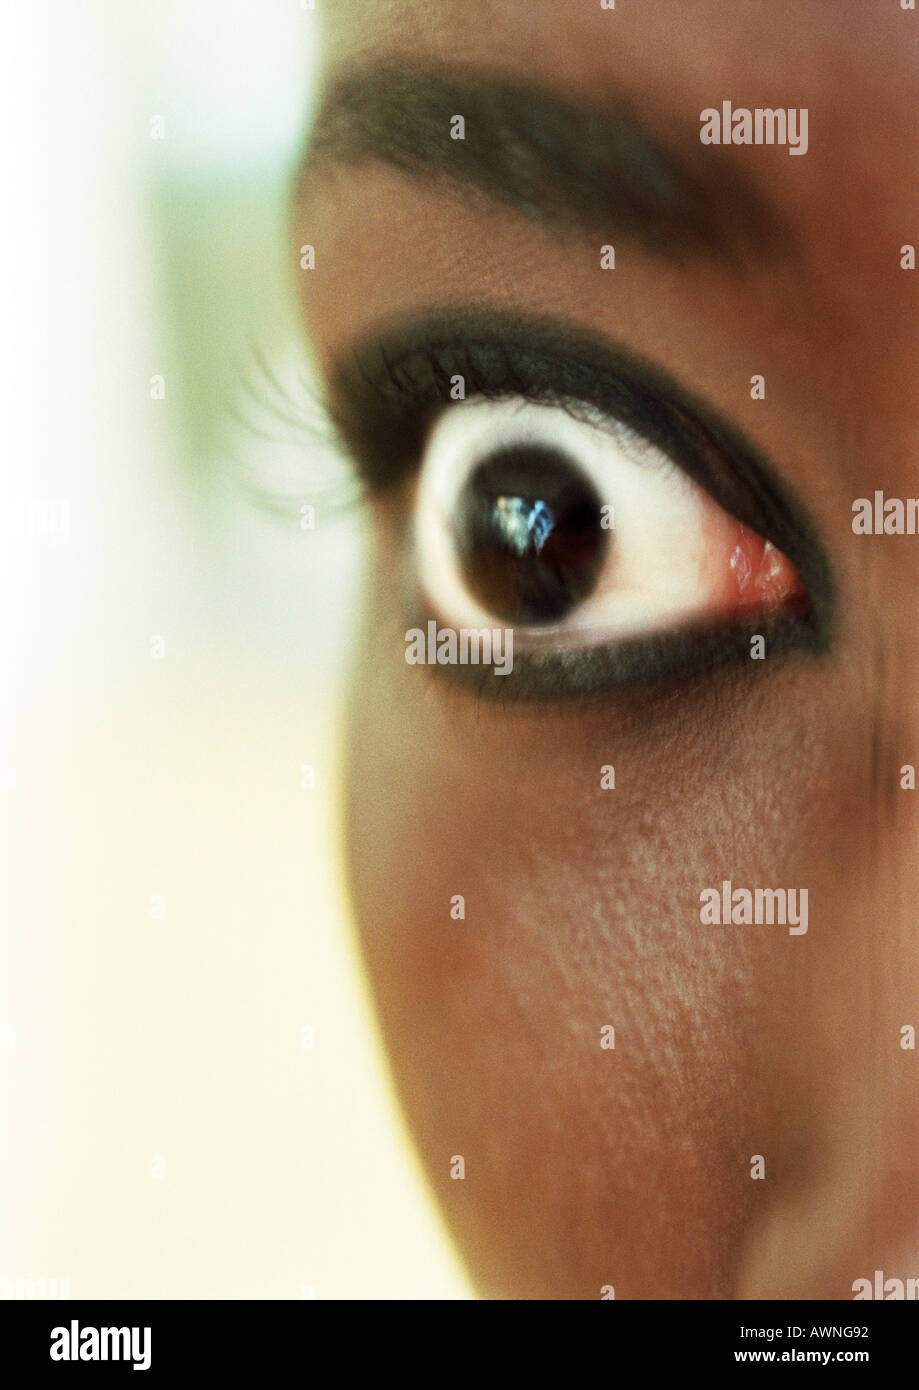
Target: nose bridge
[871,1125]
[845,1199]
[854,1212]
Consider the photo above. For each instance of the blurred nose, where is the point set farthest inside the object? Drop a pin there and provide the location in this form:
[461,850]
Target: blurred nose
[840,1205]
[850,1228]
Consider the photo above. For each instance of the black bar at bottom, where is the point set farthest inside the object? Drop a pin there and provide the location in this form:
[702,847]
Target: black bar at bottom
[53,1341]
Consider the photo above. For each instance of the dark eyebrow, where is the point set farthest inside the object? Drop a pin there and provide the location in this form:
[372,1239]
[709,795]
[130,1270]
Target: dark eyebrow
[577,167]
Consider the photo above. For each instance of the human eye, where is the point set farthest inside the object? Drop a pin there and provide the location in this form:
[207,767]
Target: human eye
[555,487]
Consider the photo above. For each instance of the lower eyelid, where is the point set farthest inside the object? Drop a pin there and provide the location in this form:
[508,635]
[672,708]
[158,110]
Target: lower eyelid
[671,662]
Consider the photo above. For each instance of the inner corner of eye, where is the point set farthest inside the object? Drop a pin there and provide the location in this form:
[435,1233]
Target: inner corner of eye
[757,576]
[540,521]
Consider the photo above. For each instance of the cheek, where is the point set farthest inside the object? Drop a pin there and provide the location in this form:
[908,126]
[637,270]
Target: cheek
[585,1164]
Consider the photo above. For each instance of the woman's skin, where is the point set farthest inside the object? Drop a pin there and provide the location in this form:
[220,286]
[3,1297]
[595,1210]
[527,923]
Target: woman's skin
[584,1166]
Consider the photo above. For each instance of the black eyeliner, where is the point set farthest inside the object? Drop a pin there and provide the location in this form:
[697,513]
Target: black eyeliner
[389,390]
[662,661]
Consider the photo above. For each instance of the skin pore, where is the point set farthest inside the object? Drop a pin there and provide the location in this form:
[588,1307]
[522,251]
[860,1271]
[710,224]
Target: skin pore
[586,1166]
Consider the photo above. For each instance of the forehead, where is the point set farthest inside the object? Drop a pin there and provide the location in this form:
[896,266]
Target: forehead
[823,47]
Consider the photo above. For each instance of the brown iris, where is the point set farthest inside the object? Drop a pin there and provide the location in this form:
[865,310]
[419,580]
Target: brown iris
[529,535]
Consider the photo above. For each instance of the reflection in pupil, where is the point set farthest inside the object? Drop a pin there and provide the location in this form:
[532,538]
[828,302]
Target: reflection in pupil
[528,534]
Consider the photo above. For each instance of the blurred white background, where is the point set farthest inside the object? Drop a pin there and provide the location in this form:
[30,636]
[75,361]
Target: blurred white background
[195,1102]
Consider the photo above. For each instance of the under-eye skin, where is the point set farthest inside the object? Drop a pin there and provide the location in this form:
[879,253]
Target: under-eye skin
[391,389]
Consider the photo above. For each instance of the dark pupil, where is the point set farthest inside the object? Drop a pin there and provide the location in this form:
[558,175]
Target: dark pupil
[529,535]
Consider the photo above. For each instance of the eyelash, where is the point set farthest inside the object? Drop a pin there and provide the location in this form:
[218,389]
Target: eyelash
[279,446]
[387,395]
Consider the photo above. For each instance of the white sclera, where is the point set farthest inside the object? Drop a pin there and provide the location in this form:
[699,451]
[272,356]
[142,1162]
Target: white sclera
[659,571]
